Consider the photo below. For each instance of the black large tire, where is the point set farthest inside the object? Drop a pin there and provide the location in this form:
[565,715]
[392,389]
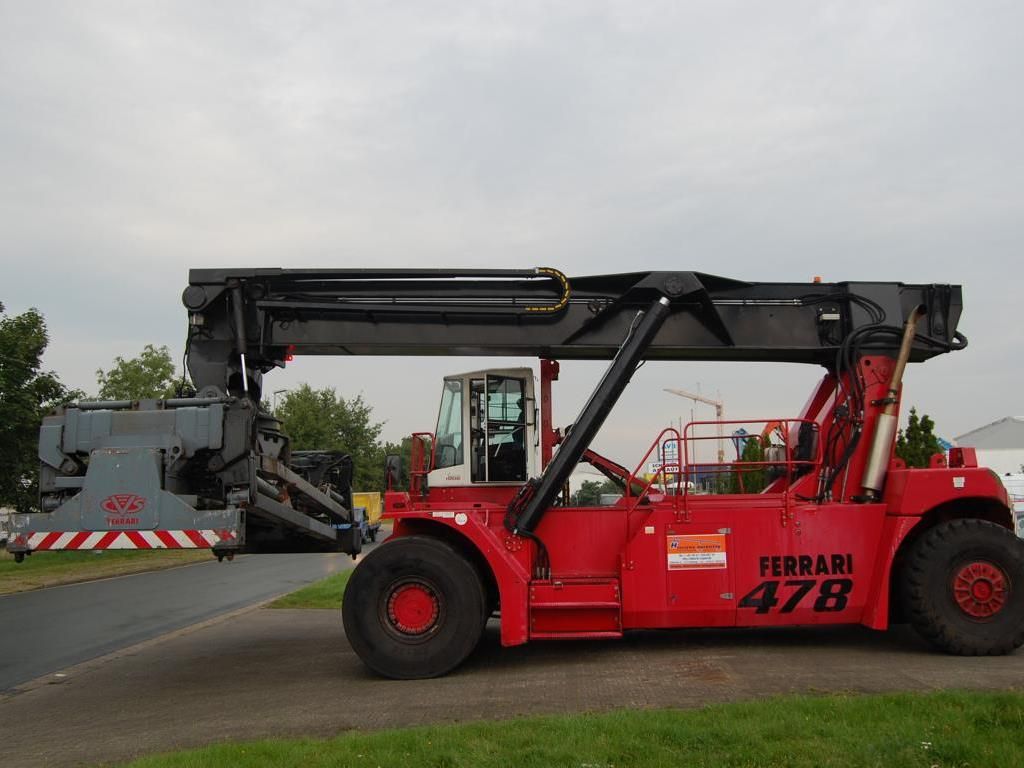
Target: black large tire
[414,608]
[964,588]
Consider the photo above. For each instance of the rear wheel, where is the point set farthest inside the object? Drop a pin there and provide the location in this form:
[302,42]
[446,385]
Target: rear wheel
[414,607]
[964,588]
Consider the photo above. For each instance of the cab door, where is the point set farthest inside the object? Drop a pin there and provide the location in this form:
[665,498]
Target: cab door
[504,429]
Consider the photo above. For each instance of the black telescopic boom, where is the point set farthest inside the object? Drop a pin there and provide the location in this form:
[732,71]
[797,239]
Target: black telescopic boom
[528,507]
[270,316]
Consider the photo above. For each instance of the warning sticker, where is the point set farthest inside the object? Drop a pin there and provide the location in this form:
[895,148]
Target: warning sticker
[693,553]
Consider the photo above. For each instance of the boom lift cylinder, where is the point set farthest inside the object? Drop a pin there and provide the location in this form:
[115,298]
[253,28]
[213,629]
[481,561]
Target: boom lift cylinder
[237,301]
[526,510]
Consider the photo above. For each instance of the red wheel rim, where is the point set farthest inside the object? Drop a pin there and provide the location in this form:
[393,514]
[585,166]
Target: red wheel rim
[980,589]
[413,608]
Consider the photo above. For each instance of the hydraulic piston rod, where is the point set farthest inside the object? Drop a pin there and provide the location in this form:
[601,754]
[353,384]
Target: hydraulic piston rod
[885,428]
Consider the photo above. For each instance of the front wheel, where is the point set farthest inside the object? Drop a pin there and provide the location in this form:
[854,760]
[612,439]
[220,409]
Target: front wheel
[964,588]
[414,608]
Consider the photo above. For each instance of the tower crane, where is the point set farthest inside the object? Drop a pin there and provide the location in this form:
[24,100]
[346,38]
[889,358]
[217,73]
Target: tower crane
[719,413]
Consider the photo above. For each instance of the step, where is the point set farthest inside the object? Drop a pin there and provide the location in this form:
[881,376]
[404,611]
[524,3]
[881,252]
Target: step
[575,608]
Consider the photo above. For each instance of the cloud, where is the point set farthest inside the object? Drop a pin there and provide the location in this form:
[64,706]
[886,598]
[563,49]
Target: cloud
[771,142]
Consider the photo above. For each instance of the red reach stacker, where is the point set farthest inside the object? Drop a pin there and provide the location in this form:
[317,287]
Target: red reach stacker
[822,524]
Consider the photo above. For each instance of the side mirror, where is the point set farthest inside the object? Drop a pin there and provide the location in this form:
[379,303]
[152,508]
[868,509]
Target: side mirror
[392,471]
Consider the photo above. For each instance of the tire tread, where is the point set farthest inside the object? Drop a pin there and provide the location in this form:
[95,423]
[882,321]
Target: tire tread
[360,621]
[926,610]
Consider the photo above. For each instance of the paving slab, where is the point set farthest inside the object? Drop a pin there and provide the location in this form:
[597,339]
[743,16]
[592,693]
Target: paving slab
[269,673]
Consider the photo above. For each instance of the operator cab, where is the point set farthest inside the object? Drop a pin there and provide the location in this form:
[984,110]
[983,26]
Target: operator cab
[486,429]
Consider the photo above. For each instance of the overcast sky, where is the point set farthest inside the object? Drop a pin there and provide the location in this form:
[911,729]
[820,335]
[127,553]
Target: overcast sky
[761,141]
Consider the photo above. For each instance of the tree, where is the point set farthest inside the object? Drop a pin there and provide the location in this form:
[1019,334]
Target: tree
[150,375]
[322,420]
[748,479]
[916,444]
[27,393]
[590,491]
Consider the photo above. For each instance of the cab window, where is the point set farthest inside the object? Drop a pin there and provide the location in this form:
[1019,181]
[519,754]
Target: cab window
[448,437]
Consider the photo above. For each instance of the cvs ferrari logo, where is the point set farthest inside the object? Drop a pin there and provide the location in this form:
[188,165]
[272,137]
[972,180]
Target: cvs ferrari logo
[120,504]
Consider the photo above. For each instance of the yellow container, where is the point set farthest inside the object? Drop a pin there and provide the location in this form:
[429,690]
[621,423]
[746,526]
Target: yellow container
[371,502]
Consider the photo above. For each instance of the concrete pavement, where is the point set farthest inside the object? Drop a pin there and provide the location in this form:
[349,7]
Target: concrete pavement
[269,673]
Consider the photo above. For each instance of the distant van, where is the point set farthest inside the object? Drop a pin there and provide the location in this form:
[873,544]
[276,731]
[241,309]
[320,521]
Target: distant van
[5,525]
[1015,487]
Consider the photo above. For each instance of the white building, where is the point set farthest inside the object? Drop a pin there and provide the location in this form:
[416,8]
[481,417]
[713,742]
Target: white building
[1000,445]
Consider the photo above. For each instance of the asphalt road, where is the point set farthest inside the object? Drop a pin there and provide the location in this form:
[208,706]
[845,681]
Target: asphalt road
[46,630]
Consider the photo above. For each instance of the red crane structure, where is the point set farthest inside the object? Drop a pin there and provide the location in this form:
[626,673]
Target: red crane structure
[843,533]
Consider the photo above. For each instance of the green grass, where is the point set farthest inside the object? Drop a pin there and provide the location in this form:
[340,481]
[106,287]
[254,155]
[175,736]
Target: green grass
[48,569]
[949,729]
[322,594]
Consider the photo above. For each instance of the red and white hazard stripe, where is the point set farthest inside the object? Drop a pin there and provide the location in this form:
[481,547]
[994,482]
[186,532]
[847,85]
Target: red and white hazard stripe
[186,539]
